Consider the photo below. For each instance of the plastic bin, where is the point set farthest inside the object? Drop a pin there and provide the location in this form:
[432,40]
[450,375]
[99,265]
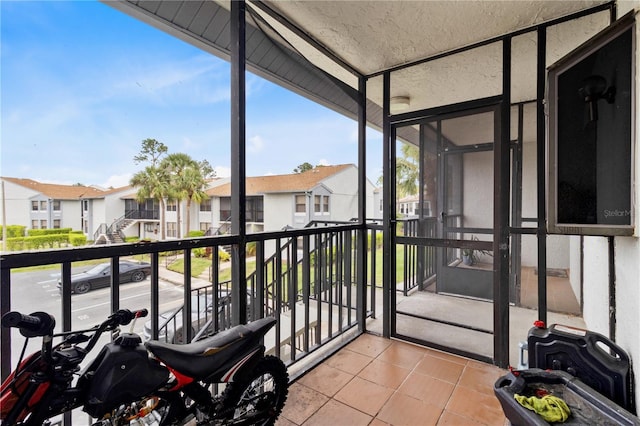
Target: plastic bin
[593,358]
[588,407]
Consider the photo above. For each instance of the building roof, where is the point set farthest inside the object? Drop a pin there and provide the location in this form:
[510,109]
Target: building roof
[58,192]
[295,182]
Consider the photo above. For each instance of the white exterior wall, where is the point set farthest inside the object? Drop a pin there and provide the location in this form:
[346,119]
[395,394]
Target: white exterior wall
[278,211]
[627,255]
[344,194]
[97,215]
[375,211]
[596,284]
[627,260]
[18,206]
[477,187]
[574,265]
[70,215]
[197,216]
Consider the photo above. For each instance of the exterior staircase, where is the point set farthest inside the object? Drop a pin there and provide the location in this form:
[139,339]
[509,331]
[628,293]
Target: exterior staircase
[112,234]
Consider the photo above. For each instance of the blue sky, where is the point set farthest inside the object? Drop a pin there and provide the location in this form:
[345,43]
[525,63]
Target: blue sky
[83,84]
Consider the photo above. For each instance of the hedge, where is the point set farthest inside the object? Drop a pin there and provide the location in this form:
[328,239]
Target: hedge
[55,231]
[46,241]
[14,231]
[77,239]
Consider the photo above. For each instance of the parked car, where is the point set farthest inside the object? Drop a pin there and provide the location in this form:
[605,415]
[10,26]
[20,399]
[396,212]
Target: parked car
[100,276]
[170,327]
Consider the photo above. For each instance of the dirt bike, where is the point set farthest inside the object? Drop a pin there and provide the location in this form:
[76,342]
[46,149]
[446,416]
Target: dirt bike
[152,384]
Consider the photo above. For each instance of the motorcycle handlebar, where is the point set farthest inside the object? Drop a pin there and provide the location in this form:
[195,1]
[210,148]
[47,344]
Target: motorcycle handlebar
[125,316]
[35,324]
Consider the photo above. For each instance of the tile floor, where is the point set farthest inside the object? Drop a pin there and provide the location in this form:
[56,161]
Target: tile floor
[377,381]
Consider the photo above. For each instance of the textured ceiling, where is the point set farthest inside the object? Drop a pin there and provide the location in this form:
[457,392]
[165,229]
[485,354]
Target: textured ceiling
[372,36]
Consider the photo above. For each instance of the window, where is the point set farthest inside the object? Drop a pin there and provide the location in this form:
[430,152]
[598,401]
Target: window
[172,205]
[43,206]
[34,207]
[43,224]
[255,209]
[34,223]
[591,134]
[56,223]
[205,206]
[301,205]
[321,204]
[205,226]
[172,229]
[56,205]
[225,209]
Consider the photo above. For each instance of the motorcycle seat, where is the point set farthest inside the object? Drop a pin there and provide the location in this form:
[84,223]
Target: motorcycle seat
[204,357]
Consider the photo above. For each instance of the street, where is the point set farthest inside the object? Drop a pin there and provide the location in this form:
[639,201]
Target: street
[37,291]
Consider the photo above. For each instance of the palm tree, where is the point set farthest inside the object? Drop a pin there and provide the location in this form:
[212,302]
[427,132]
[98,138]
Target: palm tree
[408,170]
[153,182]
[176,165]
[188,181]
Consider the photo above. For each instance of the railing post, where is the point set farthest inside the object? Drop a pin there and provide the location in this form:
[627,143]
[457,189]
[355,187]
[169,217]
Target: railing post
[187,333]
[5,333]
[155,295]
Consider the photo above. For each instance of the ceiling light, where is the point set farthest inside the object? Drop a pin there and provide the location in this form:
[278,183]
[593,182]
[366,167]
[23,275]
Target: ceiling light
[398,104]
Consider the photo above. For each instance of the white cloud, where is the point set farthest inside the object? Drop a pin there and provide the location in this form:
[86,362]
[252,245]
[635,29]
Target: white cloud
[222,171]
[256,144]
[324,162]
[116,181]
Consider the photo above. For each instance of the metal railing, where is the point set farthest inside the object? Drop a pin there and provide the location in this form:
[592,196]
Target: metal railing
[301,277]
[419,262]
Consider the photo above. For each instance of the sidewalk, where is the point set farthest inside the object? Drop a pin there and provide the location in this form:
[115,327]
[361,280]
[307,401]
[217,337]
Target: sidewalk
[178,278]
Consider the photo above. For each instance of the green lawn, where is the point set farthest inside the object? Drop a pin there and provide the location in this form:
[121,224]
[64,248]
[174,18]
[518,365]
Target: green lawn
[201,265]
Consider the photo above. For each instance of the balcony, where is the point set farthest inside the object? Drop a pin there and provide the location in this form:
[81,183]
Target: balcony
[377,381]
[322,305]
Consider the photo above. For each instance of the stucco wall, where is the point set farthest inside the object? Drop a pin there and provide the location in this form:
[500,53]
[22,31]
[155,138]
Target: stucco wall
[627,264]
[18,205]
[596,284]
[278,209]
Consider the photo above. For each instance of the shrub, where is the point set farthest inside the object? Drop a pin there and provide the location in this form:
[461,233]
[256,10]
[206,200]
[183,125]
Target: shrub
[41,232]
[199,252]
[37,242]
[251,248]
[77,239]
[193,234]
[14,231]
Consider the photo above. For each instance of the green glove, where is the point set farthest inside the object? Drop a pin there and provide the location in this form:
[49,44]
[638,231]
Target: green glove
[551,408]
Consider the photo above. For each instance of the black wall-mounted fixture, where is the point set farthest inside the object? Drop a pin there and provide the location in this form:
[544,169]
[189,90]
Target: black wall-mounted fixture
[593,89]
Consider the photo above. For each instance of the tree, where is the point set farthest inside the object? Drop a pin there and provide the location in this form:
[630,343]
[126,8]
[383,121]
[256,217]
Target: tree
[188,181]
[151,152]
[196,182]
[303,168]
[408,170]
[153,182]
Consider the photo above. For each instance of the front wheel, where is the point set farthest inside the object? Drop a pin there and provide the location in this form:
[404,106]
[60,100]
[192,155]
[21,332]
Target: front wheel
[81,287]
[259,399]
[138,276]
